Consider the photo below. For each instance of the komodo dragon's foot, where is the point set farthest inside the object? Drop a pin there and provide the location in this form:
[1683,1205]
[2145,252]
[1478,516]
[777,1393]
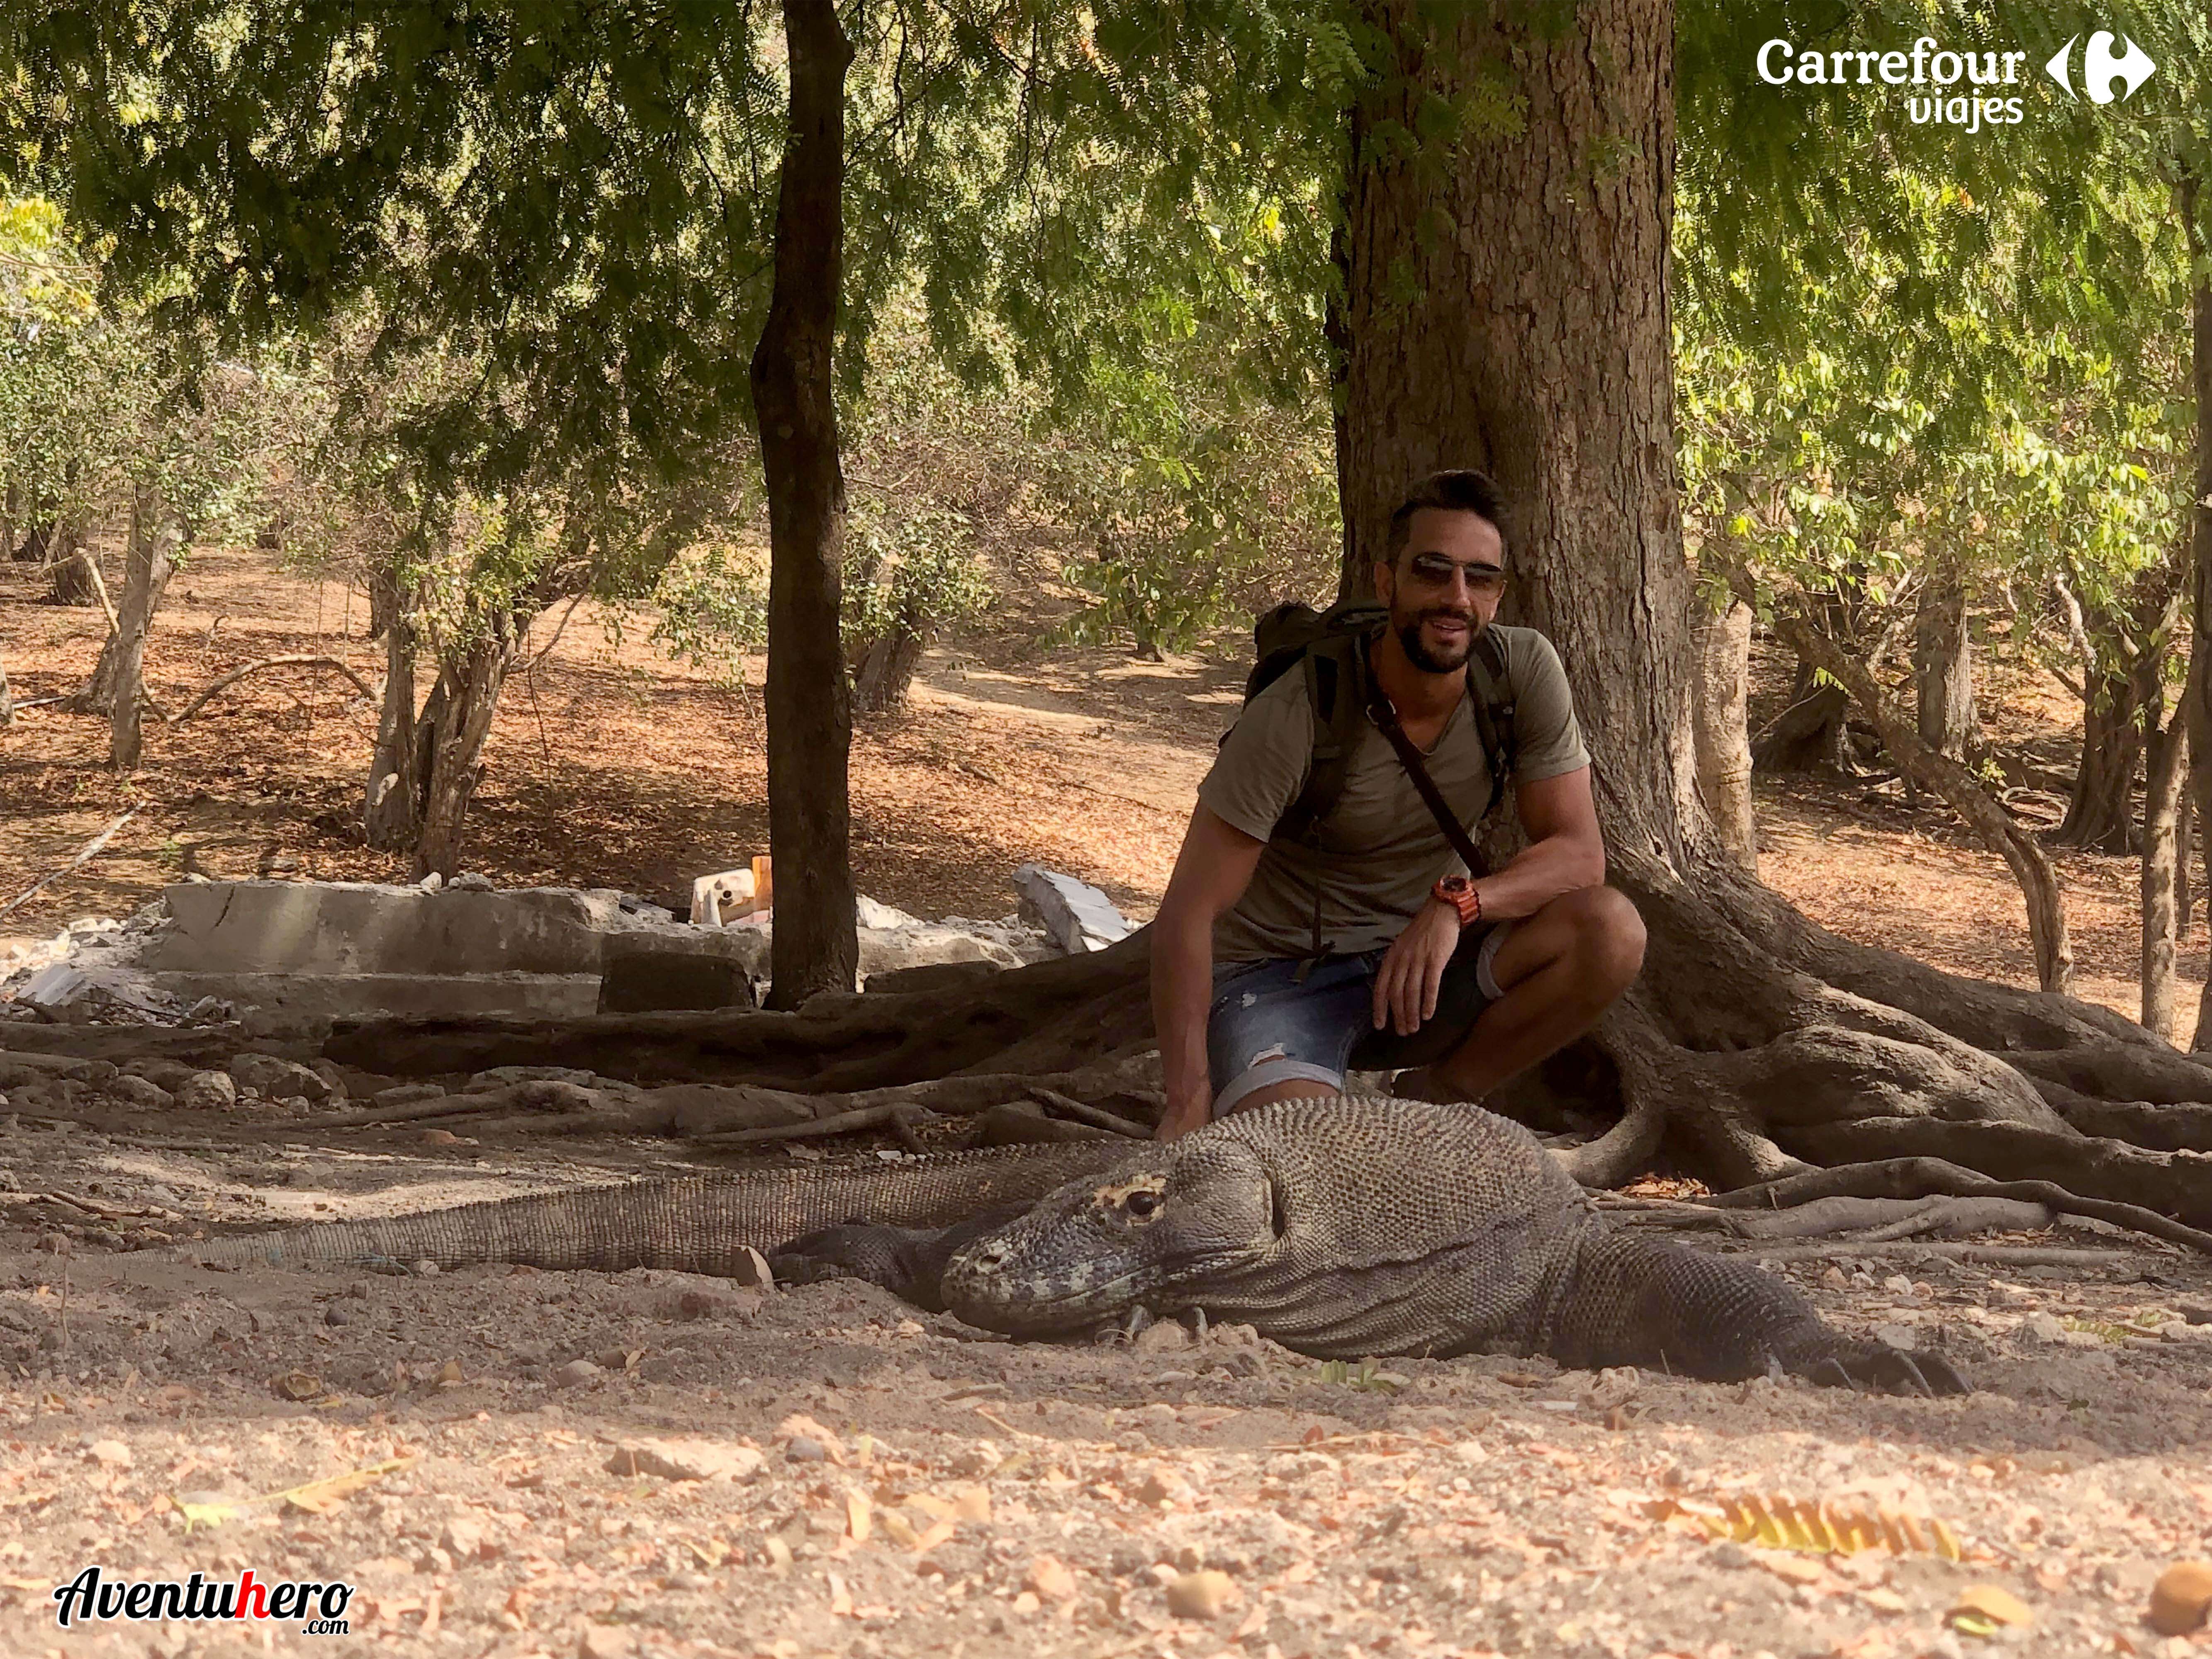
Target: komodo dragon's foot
[1877,1365]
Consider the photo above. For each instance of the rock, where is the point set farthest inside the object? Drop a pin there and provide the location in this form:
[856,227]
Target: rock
[2179,1600]
[112,1454]
[1163,1486]
[1207,1594]
[2197,1313]
[208,1091]
[1898,1336]
[1162,1336]
[1049,1578]
[405,1094]
[805,1449]
[470,881]
[2042,1327]
[269,1076]
[603,1641]
[466,1538]
[575,1374]
[137,1092]
[692,1459]
[1077,915]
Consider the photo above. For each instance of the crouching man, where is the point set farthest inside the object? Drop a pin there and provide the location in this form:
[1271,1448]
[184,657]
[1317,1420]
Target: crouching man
[1319,918]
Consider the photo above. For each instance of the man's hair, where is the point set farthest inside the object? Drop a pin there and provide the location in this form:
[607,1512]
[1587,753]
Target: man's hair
[1456,490]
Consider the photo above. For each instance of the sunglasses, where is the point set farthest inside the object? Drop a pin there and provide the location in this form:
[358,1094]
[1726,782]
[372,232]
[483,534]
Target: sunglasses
[1434,570]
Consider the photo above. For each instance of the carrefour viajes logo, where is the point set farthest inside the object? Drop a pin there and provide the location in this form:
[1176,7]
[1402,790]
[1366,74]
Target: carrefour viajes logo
[2099,69]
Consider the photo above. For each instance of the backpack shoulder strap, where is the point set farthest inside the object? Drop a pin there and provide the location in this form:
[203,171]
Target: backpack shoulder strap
[1490,700]
[1335,693]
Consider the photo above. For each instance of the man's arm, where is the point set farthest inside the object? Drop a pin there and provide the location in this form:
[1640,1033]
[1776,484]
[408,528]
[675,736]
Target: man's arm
[1210,874]
[1564,852]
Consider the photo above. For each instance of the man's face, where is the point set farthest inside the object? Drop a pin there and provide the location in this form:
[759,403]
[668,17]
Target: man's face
[1444,588]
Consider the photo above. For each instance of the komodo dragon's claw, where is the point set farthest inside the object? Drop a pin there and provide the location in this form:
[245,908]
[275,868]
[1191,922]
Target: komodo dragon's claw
[1892,1370]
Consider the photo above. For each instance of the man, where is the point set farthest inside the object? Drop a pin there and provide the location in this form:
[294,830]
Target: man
[1471,987]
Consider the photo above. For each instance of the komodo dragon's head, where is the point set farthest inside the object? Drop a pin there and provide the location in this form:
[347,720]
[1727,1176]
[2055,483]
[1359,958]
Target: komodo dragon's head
[1203,1207]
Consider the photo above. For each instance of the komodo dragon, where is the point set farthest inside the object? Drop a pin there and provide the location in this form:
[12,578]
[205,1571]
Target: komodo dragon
[1344,1227]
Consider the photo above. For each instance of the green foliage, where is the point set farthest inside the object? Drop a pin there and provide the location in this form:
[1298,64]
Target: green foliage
[1203,503]
[712,607]
[910,575]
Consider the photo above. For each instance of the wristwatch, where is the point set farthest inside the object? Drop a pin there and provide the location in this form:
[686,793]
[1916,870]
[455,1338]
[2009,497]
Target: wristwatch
[1463,896]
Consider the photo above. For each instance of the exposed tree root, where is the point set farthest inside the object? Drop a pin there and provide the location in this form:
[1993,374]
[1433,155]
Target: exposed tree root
[1049,1017]
[1862,1220]
[1918,1177]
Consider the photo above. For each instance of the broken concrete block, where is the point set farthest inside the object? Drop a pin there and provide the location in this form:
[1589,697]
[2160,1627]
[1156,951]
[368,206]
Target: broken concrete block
[1077,915]
[640,975]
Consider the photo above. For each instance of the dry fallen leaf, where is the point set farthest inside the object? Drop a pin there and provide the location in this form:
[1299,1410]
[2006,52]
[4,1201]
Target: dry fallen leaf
[1983,1609]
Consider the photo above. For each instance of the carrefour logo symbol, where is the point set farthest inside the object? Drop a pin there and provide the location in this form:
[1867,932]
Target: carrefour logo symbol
[2099,69]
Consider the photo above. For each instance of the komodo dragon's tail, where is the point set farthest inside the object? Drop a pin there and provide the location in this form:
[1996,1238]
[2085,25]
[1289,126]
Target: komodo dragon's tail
[1651,1302]
[702,1224]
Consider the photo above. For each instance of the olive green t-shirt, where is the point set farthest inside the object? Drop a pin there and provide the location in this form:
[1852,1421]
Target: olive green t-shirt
[1380,850]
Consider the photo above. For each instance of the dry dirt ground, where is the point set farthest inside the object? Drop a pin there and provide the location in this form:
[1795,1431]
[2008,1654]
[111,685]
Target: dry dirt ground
[881,1482]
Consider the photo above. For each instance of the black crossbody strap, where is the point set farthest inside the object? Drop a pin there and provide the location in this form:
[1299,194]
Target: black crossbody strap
[1385,717]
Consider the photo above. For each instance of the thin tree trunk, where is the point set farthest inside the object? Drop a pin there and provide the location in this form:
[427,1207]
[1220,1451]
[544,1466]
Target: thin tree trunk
[886,669]
[453,756]
[1720,648]
[2167,774]
[392,793]
[2101,813]
[810,716]
[1984,814]
[7,699]
[1943,670]
[154,538]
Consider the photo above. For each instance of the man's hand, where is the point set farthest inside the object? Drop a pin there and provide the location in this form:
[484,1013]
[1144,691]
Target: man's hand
[1413,969]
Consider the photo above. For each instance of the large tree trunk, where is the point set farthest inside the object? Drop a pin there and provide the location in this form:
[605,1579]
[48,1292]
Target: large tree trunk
[1530,335]
[809,712]
[2196,691]
[154,538]
[393,791]
[1720,648]
[1943,670]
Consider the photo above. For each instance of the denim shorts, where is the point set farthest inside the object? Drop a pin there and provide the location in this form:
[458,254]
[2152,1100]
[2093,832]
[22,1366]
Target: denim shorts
[1266,1026]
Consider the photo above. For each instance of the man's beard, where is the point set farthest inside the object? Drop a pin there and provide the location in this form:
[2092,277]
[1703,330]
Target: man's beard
[1418,654]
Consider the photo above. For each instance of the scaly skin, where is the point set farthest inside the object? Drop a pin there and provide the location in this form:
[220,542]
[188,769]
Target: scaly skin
[1357,1226]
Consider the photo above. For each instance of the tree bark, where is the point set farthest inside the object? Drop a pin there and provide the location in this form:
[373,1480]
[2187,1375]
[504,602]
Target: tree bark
[2161,864]
[1720,648]
[2101,813]
[154,539]
[2197,691]
[7,699]
[810,716]
[392,791]
[886,669]
[466,699]
[1943,670]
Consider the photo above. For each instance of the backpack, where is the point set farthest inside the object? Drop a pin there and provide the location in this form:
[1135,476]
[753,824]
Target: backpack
[1333,645]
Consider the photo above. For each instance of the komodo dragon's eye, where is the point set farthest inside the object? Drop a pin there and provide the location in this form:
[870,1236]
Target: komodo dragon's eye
[1142,1204]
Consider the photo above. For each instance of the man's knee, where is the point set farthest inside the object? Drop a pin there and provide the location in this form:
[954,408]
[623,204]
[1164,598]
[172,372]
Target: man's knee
[1606,937]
